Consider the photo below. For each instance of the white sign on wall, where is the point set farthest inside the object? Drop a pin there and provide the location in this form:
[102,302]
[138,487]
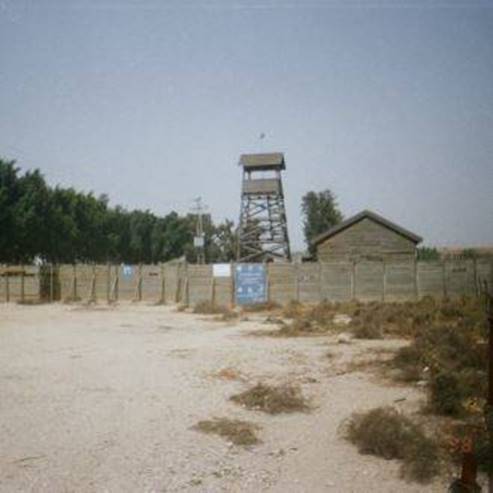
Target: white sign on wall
[198,241]
[221,270]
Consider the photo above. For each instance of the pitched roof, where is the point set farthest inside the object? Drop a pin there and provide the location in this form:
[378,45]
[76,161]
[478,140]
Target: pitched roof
[264,161]
[362,215]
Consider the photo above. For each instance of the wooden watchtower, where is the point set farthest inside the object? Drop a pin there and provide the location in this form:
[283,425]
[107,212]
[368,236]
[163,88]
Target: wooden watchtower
[263,229]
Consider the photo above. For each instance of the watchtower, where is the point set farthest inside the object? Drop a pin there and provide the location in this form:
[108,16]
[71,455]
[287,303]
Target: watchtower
[263,230]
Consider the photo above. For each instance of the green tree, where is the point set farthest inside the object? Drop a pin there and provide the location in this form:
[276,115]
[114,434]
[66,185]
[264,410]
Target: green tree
[64,225]
[428,253]
[9,194]
[320,212]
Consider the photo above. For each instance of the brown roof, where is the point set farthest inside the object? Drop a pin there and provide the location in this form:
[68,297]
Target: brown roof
[271,160]
[370,215]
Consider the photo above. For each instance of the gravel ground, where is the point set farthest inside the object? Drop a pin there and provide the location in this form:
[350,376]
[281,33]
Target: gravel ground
[103,399]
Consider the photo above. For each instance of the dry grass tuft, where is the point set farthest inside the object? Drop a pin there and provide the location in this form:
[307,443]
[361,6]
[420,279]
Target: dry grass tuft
[261,307]
[228,374]
[386,433]
[366,330]
[33,302]
[208,308]
[272,399]
[236,431]
[294,309]
[227,316]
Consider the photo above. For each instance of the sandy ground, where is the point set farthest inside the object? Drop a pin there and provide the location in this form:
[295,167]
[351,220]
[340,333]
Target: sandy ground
[103,399]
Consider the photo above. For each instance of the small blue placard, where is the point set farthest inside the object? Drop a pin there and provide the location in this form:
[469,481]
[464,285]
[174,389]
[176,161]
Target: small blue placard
[250,284]
[127,270]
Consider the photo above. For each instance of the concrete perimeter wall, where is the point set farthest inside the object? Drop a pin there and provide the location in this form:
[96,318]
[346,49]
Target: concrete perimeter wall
[308,283]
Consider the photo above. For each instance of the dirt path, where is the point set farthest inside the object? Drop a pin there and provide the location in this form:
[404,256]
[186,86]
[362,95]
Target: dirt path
[103,400]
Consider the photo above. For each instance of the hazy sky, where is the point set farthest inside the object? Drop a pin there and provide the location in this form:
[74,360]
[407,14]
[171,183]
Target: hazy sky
[387,103]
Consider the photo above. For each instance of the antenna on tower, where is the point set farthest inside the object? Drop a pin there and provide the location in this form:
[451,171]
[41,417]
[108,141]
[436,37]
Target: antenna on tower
[199,238]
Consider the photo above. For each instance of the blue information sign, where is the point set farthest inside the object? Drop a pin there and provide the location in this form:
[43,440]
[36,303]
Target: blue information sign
[250,284]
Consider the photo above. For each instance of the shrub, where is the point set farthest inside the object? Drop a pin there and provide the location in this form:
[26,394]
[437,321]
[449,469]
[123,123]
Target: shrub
[272,399]
[293,309]
[208,308]
[408,361]
[386,433]
[261,307]
[446,394]
[236,431]
[456,362]
[367,330]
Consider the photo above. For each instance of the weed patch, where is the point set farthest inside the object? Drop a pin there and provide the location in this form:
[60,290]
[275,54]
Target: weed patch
[208,308]
[272,399]
[456,364]
[386,433]
[293,309]
[228,374]
[262,307]
[236,431]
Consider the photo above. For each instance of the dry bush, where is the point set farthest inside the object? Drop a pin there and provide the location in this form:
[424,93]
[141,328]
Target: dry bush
[408,361]
[386,433]
[309,320]
[181,308]
[261,307]
[227,316]
[272,399]
[366,331]
[71,299]
[376,319]
[293,309]
[33,302]
[236,431]
[456,363]
[208,308]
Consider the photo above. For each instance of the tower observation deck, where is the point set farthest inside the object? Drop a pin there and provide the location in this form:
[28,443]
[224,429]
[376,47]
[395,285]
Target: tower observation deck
[263,230]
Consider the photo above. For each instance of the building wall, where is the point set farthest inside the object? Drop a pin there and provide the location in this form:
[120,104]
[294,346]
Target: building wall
[368,240]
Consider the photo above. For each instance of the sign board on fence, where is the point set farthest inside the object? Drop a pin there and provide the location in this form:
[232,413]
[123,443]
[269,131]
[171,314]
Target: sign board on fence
[127,270]
[250,284]
[198,241]
[221,270]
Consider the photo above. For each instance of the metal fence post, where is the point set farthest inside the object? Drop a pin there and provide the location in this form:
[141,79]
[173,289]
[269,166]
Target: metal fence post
[7,287]
[233,284]
[416,280]
[444,278]
[23,294]
[108,283]
[353,280]
[139,283]
[384,280]
[116,284]
[162,296]
[92,294]
[74,282]
[297,281]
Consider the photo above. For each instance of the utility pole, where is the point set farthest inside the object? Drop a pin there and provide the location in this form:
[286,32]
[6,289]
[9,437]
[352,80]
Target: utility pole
[199,240]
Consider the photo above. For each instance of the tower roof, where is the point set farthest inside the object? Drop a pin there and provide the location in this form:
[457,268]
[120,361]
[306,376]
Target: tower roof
[262,162]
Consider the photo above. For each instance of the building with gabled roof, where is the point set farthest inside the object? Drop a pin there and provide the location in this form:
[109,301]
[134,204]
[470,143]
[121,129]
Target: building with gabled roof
[366,236]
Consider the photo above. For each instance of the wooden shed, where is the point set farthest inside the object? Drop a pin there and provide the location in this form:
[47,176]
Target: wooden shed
[366,236]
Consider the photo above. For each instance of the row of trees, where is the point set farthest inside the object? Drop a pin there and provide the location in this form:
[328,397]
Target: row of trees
[62,225]
[59,224]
